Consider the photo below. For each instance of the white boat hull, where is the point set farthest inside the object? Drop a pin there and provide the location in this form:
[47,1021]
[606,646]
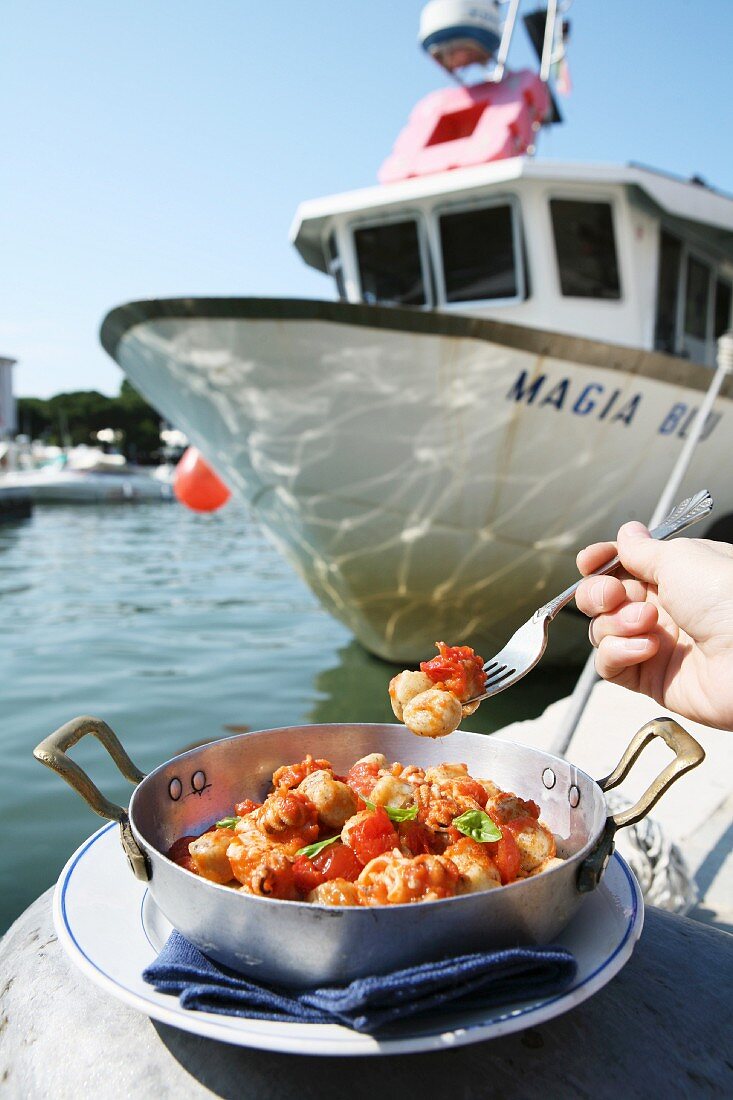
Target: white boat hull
[429,476]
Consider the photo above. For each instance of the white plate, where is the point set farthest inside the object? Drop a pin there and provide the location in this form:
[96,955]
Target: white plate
[110,927]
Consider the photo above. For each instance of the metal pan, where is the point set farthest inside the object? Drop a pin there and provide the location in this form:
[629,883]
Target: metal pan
[299,944]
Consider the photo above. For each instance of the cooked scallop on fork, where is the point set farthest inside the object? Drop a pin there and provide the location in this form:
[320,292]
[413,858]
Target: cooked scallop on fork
[432,701]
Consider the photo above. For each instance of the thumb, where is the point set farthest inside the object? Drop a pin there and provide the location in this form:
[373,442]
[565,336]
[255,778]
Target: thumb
[640,554]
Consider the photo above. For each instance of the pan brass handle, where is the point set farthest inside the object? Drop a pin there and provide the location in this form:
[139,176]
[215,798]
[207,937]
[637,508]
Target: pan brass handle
[52,752]
[688,754]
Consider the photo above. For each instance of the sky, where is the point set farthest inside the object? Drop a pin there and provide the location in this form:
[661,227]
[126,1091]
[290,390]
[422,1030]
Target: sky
[159,148]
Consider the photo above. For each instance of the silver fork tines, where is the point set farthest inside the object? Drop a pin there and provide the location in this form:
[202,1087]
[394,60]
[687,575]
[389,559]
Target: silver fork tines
[496,673]
[526,646]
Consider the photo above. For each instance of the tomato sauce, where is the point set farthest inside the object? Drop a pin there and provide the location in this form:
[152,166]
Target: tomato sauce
[292,775]
[418,839]
[507,805]
[472,789]
[246,807]
[458,669]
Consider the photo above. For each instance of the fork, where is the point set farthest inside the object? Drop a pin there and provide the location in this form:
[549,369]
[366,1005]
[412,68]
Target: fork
[526,646]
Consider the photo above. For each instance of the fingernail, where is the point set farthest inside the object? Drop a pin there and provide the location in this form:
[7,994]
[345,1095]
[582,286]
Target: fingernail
[632,613]
[635,529]
[597,590]
[636,645]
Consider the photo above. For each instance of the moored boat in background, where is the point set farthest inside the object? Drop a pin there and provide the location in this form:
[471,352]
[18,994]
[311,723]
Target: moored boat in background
[48,474]
[32,471]
[15,503]
[86,480]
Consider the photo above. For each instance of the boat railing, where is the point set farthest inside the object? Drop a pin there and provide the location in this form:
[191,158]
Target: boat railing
[506,40]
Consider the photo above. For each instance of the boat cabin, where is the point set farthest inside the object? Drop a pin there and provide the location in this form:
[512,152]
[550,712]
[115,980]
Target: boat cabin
[619,254]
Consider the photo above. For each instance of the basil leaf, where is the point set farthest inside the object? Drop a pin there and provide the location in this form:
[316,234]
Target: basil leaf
[395,813]
[478,825]
[227,822]
[311,850]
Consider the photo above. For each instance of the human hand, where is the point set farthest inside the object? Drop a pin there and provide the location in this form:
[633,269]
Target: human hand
[664,627]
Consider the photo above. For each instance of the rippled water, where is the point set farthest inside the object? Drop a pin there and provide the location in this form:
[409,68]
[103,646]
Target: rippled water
[174,628]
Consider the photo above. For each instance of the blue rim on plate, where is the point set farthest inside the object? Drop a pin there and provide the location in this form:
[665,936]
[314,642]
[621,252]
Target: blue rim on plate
[96,883]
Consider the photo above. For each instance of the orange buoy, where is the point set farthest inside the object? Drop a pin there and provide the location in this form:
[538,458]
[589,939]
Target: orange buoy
[196,485]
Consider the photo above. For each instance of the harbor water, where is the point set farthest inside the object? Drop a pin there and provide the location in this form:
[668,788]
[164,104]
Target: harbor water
[176,629]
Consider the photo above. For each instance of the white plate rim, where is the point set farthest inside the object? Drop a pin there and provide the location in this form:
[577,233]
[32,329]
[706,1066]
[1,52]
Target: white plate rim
[298,1038]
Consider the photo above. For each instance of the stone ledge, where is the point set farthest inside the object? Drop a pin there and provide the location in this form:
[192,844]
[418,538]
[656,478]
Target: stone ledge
[661,1028]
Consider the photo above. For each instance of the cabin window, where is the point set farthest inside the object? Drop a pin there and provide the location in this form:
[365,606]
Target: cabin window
[586,249]
[478,254]
[390,266]
[723,300]
[668,285]
[697,298]
[334,265]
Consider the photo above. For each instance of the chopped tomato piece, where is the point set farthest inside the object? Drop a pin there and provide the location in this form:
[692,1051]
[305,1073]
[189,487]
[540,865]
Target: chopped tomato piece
[180,854]
[336,861]
[362,777]
[505,855]
[306,876]
[373,835]
[458,669]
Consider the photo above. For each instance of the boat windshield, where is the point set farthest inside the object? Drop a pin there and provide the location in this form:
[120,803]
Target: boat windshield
[586,248]
[390,265]
[478,254]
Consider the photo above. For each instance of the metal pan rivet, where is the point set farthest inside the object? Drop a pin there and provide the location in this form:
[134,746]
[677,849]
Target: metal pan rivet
[175,789]
[198,781]
[549,778]
[574,796]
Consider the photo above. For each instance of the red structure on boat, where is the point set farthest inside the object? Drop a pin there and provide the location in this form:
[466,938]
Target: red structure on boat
[463,126]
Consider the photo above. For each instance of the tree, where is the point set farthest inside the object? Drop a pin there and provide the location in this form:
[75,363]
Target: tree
[76,417]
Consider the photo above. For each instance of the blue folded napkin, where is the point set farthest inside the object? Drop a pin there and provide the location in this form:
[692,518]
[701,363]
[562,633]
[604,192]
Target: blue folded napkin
[367,1004]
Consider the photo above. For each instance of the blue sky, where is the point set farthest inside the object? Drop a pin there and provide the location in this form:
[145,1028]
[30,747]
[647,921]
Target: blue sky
[159,148]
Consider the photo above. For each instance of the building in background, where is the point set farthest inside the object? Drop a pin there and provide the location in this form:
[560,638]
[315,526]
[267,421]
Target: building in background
[8,417]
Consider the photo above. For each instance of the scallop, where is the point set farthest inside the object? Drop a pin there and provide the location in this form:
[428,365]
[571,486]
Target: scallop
[404,687]
[433,713]
[334,801]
